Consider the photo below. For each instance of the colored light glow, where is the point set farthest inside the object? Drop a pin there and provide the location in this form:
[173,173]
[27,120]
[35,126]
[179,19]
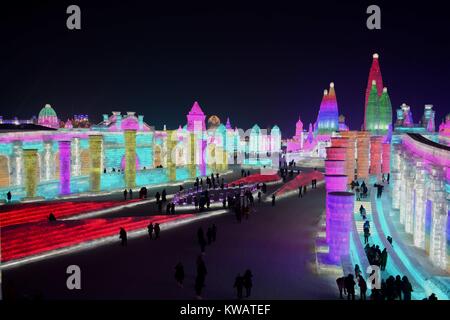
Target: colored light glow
[339,223]
[386,158]
[130,158]
[95,153]
[335,167]
[64,166]
[30,157]
[375,155]
[363,154]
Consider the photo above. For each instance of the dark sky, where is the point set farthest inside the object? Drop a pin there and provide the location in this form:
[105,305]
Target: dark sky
[256,63]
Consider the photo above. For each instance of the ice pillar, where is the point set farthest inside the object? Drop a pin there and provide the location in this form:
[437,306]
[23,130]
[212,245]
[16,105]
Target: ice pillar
[171,157]
[386,158]
[363,154]
[375,155]
[30,157]
[130,158]
[339,210]
[420,205]
[64,166]
[95,150]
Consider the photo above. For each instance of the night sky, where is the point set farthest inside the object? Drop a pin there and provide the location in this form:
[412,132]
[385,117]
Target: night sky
[256,63]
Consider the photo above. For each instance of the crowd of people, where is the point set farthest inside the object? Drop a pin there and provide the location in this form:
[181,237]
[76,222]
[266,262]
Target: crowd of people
[398,288]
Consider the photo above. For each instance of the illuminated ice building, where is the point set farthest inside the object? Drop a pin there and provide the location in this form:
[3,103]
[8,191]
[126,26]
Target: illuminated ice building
[46,160]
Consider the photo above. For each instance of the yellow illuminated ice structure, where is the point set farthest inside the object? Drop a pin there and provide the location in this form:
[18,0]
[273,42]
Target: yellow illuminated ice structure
[191,160]
[95,150]
[30,157]
[171,146]
[130,158]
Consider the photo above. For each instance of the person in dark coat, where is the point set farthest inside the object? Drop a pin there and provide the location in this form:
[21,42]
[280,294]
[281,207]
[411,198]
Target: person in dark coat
[384,257]
[150,230]
[125,193]
[168,208]
[123,237]
[179,274]
[9,196]
[164,195]
[157,196]
[362,287]
[239,285]
[248,282]
[157,230]
[300,195]
[350,287]
[406,288]
[172,208]
[51,217]
[131,193]
[340,282]
[398,287]
[273,200]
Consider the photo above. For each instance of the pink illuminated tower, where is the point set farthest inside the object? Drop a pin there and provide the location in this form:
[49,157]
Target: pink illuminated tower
[196,118]
[374,74]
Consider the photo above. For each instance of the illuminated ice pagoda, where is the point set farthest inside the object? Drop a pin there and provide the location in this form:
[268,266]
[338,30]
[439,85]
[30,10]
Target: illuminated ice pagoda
[328,118]
[48,118]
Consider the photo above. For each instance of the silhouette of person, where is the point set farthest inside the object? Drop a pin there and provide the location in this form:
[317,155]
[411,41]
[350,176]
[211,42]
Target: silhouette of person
[123,237]
[125,192]
[131,193]
[259,196]
[164,195]
[398,287]
[350,287]
[172,208]
[51,217]
[179,274]
[384,257]
[248,283]
[432,297]
[406,288]
[362,287]
[239,285]
[340,282]
[273,200]
[168,208]
[150,230]
[300,195]
[157,230]
[157,196]
[9,196]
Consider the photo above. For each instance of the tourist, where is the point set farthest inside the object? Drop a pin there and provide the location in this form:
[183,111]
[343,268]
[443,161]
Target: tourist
[157,196]
[157,230]
[389,239]
[259,196]
[239,285]
[172,208]
[125,192]
[123,237]
[248,283]
[300,192]
[51,217]
[362,287]
[384,257]
[432,297]
[213,232]
[406,288]
[150,230]
[341,286]
[304,189]
[350,287]
[366,235]
[179,274]
[398,287]
[131,193]
[362,211]
[9,196]
[209,235]
[357,271]
[163,195]
[196,202]
[273,199]
[224,202]
[168,208]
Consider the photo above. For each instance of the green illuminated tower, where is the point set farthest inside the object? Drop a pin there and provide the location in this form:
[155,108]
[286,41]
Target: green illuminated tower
[385,115]
[373,109]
